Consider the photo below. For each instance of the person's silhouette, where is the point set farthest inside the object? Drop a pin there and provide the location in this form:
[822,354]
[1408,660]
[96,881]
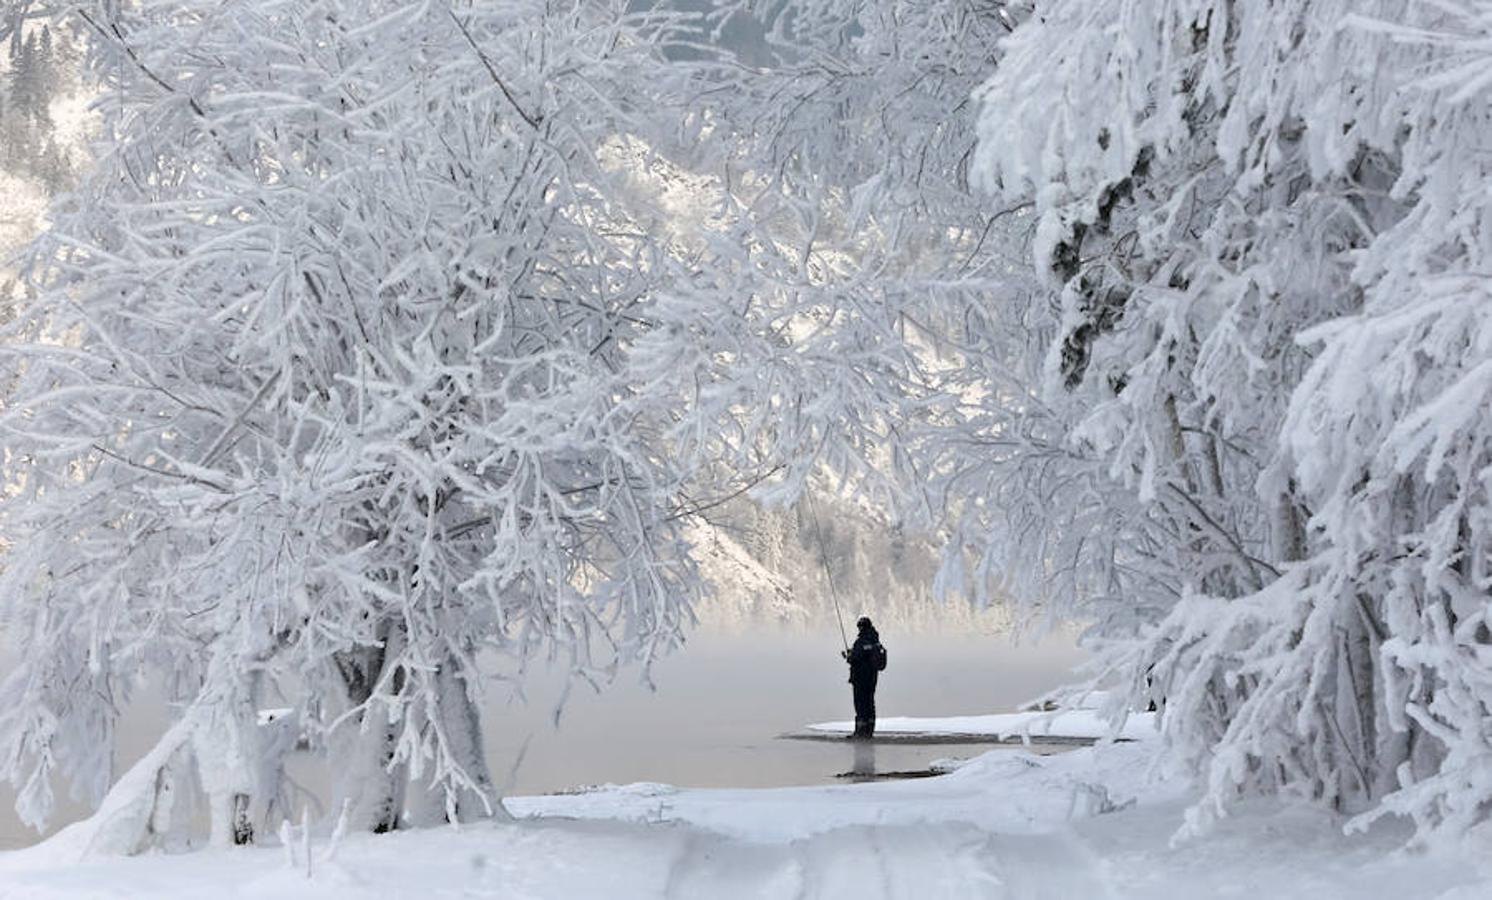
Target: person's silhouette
[866,658]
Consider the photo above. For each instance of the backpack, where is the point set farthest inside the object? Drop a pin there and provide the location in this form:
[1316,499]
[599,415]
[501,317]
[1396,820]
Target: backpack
[880,657]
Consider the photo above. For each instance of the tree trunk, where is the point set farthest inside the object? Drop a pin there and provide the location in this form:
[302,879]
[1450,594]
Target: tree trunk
[369,781]
[469,793]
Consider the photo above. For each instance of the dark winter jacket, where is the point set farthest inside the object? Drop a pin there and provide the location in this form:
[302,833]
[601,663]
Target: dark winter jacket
[866,657]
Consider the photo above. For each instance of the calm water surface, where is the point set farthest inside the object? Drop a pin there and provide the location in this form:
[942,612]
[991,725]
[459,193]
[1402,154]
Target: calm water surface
[720,704]
[716,710]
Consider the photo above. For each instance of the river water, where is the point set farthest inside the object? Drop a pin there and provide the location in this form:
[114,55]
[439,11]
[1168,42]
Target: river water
[717,708]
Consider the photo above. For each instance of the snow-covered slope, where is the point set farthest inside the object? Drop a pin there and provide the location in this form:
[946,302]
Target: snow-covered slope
[743,590]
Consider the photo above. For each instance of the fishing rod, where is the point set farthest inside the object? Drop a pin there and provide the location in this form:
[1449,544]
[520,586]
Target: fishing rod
[828,569]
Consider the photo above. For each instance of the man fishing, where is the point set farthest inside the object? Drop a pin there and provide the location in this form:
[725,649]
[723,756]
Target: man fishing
[866,658]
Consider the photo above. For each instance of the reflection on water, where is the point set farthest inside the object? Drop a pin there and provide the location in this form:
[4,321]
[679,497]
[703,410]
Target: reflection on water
[718,707]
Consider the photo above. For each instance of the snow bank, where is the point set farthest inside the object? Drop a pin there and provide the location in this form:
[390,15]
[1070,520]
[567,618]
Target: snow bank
[1006,790]
[1095,822]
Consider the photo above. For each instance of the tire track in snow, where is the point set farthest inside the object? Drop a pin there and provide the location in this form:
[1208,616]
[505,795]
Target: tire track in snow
[1052,866]
[883,862]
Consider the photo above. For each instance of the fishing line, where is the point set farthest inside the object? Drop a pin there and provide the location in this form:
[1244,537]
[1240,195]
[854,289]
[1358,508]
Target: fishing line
[828,569]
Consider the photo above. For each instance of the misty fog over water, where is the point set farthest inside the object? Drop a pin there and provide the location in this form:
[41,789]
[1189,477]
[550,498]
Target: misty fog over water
[713,719]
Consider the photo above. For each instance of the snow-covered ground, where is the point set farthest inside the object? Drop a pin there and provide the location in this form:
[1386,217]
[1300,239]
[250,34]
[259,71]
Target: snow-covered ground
[1081,724]
[1093,823]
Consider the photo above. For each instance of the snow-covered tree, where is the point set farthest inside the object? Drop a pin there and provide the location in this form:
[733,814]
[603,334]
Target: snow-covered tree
[35,74]
[40,121]
[1229,407]
[1266,373]
[846,238]
[325,393]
